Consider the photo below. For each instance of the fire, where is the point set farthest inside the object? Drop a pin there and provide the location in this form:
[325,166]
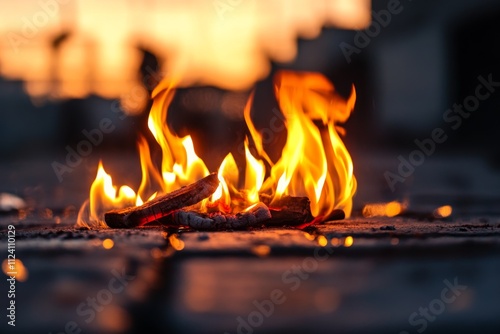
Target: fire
[314,162]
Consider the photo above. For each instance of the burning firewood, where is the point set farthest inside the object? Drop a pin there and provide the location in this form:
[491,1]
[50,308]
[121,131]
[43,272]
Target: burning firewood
[295,211]
[289,210]
[253,216]
[176,209]
[164,205]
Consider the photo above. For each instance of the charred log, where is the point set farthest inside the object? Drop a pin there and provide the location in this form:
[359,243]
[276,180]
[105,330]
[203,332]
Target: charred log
[290,210]
[255,216]
[164,205]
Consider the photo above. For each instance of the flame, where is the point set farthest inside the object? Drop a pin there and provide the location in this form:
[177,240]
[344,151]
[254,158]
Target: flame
[104,196]
[254,176]
[228,176]
[314,162]
[180,164]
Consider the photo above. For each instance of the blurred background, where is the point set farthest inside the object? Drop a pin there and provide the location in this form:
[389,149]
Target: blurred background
[68,68]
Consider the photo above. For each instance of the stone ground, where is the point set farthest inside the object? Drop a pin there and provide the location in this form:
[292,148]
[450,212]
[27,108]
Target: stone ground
[443,275]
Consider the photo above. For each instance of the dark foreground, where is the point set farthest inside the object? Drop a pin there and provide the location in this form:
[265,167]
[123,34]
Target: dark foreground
[400,275]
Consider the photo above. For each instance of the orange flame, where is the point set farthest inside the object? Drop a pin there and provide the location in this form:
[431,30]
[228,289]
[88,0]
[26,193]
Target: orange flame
[314,161]
[228,176]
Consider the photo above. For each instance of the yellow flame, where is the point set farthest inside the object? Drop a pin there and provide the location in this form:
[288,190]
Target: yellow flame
[254,134]
[103,196]
[180,164]
[151,178]
[228,176]
[254,176]
[314,161]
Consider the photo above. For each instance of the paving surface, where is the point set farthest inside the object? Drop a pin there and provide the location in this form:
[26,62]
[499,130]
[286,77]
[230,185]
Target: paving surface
[388,275]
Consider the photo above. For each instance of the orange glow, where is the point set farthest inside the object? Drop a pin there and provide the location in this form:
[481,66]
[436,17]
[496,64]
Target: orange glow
[180,164]
[15,268]
[309,236]
[261,250]
[349,241]
[336,242]
[443,211]
[176,243]
[228,176]
[390,209]
[254,176]
[108,243]
[254,134]
[229,44]
[104,197]
[322,241]
[314,161]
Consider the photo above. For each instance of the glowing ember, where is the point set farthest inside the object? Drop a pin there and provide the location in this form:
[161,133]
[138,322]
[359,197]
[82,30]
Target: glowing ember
[261,250]
[443,211]
[176,243]
[15,268]
[314,162]
[349,241]
[390,209]
[322,241]
[108,243]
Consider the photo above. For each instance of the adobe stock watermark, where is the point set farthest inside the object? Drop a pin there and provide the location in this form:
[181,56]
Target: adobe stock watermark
[424,315]
[88,309]
[454,117]
[32,24]
[84,148]
[292,279]
[223,6]
[362,38]
[94,137]
[276,125]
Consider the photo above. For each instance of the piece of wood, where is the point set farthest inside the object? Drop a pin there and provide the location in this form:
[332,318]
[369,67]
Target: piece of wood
[163,205]
[296,211]
[255,215]
[290,210]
